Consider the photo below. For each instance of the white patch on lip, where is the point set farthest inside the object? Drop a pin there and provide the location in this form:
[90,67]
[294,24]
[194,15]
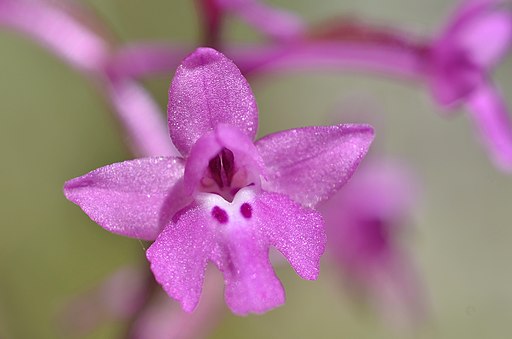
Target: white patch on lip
[233,209]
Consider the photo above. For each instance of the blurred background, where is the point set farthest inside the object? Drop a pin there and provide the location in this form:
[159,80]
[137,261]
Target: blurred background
[55,125]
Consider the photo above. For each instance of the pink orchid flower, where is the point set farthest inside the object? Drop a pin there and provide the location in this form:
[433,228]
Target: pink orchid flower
[226,199]
[459,71]
[364,222]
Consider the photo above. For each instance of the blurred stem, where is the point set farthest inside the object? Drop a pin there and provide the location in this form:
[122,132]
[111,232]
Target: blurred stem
[150,288]
[212,16]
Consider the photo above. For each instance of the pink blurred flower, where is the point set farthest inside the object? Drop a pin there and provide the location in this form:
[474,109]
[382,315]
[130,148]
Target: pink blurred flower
[459,69]
[364,222]
[227,200]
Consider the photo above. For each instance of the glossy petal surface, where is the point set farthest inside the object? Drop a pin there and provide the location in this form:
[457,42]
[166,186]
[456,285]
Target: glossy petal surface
[320,159]
[180,254]
[128,198]
[207,90]
[251,284]
[296,231]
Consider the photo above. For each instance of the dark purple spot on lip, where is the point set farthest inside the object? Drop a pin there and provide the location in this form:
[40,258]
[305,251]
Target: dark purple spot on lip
[246,210]
[219,214]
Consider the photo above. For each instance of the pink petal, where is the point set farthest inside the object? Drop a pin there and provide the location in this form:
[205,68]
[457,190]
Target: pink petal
[474,38]
[251,284]
[180,254]
[132,198]
[296,231]
[492,119]
[207,90]
[320,159]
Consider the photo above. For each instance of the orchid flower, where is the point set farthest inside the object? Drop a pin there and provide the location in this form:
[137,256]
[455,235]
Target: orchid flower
[363,223]
[458,70]
[226,200]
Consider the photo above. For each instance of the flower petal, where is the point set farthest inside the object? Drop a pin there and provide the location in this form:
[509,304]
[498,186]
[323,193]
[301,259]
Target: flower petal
[475,40]
[320,158]
[296,231]
[493,121]
[208,89]
[251,284]
[179,256]
[128,198]
[472,25]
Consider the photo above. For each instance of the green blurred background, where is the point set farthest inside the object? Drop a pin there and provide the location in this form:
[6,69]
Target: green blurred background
[54,125]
